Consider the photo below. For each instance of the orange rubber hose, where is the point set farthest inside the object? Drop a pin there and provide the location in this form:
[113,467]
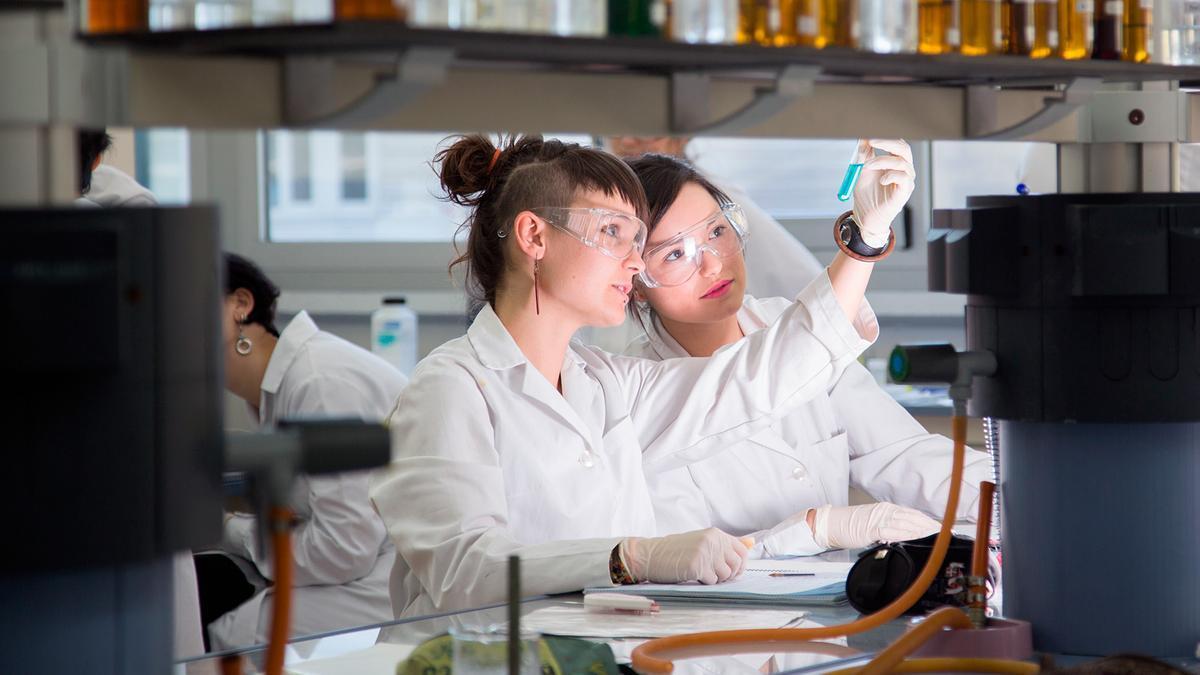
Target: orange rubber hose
[646,656]
[281,541]
[983,527]
[908,643]
[231,664]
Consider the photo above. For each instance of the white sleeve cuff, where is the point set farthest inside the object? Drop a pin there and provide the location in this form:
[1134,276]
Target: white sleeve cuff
[790,537]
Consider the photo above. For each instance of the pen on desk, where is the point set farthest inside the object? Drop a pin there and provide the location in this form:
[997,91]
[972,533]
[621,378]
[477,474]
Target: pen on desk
[792,574]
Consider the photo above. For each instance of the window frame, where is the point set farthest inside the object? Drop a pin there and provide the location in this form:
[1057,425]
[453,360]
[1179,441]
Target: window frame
[227,169]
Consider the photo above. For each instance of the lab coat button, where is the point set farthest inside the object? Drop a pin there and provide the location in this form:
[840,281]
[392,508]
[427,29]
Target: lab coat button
[799,473]
[586,460]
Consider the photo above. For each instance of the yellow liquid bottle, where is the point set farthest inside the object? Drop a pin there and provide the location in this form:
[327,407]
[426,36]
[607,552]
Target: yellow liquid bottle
[979,22]
[1019,27]
[1045,29]
[933,20]
[1139,15]
[747,18]
[823,23]
[1075,28]
[783,16]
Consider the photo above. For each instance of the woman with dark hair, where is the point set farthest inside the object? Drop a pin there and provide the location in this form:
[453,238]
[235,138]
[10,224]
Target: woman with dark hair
[515,440]
[787,485]
[341,551]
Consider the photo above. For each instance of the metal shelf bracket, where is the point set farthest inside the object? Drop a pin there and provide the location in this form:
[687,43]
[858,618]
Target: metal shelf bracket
[982,104]
[689,104]
[310,83]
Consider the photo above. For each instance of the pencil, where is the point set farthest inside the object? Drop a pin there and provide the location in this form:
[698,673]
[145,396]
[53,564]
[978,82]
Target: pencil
[792,574]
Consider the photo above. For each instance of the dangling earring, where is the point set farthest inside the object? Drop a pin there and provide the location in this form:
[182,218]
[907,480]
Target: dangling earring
[537,303]
[243,344]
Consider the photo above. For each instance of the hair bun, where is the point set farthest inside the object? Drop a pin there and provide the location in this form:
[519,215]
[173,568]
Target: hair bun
[463,168]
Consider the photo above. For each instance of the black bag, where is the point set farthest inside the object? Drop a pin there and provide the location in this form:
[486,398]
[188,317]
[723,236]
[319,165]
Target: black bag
[884,572]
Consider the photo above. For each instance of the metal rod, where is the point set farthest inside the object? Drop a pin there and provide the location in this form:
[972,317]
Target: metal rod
[514,615]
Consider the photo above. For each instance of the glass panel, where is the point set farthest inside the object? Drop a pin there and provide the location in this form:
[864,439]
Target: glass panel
[301,167]
[354,166]
[789,178]
[964,168]
[358,187]
[163,164]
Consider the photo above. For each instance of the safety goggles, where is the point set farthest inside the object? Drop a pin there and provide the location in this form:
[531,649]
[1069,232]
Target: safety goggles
[612,233]
[677,259]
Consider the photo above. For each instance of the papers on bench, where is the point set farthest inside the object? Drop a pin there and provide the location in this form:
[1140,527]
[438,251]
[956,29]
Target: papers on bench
[573,620]
[756,586]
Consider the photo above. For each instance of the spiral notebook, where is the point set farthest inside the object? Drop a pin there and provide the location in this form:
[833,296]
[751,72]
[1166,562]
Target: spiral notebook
[758,586]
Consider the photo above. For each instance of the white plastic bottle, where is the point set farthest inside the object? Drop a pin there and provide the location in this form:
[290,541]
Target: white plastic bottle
[394,334]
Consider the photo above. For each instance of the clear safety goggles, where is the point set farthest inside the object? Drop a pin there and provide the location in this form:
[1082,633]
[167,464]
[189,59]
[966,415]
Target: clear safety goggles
[612,233]
[677,259]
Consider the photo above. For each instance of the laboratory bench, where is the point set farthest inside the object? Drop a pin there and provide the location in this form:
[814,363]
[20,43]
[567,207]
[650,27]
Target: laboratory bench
[377,649]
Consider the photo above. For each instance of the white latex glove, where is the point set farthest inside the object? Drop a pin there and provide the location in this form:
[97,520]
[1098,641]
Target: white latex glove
[865,524]
[709,556]
[882,190]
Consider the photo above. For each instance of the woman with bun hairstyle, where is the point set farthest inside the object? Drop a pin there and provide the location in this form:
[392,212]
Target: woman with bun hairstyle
[515,440]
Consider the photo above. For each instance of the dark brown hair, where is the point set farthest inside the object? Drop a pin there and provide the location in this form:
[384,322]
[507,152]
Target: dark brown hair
[662,177]
[528,172]
[244,273]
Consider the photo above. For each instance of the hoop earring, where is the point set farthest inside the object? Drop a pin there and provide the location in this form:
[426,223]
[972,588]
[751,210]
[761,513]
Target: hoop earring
[537,303]
[243,346]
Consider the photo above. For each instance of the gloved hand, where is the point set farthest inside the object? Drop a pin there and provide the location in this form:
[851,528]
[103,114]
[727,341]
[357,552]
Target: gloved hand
[882,190]
[865,524]
[709,556]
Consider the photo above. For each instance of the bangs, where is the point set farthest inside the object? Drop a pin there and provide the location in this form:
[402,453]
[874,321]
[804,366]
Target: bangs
[592,169]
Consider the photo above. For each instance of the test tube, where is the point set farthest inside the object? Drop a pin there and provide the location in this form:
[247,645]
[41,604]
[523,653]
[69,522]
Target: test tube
[862,152]
[824,23]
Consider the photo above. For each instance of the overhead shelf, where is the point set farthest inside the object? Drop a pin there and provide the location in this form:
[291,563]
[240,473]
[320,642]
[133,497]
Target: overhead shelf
[636,54]
[381,75]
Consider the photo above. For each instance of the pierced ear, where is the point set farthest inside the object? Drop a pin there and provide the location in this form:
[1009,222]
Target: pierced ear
[243,301]
[530,234]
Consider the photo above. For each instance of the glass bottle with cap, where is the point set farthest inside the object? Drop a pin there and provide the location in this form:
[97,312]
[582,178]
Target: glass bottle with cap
[1139,43]
[1045,29]
[1109,30]
[886,26]
[980,26]
[1075,28]
[1019,27]
[936,19]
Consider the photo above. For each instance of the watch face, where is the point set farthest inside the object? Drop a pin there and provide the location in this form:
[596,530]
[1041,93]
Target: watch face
[845,233]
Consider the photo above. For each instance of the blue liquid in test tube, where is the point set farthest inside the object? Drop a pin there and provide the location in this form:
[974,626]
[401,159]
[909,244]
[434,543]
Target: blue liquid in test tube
[851,177]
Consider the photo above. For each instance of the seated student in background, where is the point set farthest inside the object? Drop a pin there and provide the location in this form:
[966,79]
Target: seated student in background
[341,550]
[787,485]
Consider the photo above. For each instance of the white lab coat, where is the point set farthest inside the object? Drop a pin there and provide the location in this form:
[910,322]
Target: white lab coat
[491,460]
[855,433]
[341,552]
[112,187]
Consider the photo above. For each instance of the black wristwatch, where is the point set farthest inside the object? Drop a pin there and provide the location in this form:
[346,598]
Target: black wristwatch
[849,238]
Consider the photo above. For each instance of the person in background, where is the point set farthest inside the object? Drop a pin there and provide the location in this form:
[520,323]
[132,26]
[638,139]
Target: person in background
[788,485]
[516,440]
[101,185]
[341,552]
